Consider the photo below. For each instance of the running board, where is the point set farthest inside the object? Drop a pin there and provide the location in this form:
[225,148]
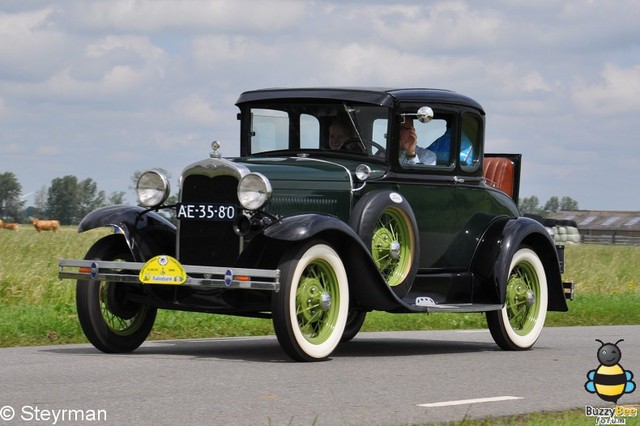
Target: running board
[426,304]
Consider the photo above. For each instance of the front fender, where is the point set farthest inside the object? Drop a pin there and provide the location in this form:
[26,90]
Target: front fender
[146,232]
[500,243]
[367,286]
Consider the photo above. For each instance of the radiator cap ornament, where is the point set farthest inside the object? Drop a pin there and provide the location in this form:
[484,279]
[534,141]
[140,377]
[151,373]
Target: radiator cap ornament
[215,150]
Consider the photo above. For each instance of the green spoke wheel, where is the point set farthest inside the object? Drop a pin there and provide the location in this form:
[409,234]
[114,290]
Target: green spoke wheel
[130,316]
[519,323]
[310,310]
[391,246]
[386,224]
[112,322]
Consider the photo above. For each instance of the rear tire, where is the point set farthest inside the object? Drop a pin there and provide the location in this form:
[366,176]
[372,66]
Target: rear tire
[519,323]
[310,310]
[111,322]
[355,320]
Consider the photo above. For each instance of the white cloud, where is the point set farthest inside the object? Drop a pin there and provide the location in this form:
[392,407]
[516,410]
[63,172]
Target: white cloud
[534,82]
[216,51]
[439,27]
[153,16]
[195,108]
[617,92]
[29,44]
[136,44]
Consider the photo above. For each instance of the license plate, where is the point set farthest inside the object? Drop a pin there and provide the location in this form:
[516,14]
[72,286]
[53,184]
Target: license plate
[206,211]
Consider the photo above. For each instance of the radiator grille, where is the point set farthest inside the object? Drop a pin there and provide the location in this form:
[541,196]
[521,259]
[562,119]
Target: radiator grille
[208,242]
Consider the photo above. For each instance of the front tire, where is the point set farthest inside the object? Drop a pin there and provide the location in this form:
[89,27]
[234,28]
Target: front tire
[310,310]
[519,323]
[111,322]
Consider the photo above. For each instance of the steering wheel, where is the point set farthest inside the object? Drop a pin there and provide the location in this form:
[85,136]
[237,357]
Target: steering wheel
[360,146]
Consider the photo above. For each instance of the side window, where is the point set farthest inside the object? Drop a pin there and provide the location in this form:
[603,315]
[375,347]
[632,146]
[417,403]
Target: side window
[436,136]
[379,131]
[309,132]
[470,142]
[433,146]
[269,130]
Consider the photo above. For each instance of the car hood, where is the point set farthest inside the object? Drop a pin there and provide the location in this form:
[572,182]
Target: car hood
[303,184]
[298,169]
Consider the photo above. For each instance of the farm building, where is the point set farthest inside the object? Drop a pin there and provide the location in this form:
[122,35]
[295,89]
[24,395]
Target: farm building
[606,227]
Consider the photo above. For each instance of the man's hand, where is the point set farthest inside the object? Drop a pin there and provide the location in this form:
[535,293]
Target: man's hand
[408,140]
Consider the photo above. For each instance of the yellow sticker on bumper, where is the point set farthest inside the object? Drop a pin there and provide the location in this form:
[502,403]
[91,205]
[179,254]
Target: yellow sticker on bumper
[162,270]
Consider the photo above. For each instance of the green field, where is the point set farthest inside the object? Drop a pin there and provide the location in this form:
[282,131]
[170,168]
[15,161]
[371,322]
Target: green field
[36,308]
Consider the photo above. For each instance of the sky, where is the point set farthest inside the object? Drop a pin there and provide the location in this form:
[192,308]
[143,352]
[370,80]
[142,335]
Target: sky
[102,89]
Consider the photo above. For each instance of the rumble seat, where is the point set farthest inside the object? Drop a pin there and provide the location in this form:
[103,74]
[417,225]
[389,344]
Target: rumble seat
[499,173]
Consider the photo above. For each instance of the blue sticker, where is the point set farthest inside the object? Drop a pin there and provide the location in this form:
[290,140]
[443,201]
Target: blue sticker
[228,277]
[94,270]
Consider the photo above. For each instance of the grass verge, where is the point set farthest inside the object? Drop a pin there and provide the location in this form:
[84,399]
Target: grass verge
[39,309]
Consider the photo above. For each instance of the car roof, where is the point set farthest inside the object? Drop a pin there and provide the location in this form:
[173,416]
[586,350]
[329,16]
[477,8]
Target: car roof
[371,95]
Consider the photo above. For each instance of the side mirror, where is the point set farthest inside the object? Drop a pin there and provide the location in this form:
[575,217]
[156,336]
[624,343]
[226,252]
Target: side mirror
[425,114]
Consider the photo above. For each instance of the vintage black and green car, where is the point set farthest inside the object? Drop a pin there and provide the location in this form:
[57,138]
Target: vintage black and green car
[331,211]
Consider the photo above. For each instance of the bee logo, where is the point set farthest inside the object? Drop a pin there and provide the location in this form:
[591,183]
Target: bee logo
[609,381]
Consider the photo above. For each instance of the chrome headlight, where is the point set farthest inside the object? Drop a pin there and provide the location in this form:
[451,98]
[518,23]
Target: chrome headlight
[152,188]
[254,190]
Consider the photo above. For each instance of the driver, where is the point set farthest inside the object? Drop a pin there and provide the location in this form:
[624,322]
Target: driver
[410,152]
[340,132]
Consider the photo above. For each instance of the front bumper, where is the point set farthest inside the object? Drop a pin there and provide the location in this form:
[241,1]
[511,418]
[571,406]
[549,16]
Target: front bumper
[205,277]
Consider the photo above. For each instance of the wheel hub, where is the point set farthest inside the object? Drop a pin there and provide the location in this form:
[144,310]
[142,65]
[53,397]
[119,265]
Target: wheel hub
[531,298]
[117,302]
[325,301]
[313,300]
[394,249]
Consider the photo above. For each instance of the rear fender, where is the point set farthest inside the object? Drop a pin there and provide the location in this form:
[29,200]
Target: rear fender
[498,245]
[368,288]
[146,232]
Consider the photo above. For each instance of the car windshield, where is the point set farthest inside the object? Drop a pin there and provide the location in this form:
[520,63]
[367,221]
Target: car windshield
[349,129]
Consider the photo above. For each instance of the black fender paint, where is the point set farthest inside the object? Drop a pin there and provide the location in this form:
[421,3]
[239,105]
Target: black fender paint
[146,232]
[498,245]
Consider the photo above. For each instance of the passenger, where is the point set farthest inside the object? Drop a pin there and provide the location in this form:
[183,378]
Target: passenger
[410,152]
[442,148]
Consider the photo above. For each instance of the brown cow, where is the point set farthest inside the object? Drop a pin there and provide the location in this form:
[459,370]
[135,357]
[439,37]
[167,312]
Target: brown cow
[45,225]
[11,226]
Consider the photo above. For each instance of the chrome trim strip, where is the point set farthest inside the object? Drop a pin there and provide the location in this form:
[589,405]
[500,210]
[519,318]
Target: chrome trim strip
[127,272]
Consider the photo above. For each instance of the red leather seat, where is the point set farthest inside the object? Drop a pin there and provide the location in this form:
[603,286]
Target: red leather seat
[499,173]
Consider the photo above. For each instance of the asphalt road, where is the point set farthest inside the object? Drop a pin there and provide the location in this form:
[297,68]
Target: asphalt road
[389,378]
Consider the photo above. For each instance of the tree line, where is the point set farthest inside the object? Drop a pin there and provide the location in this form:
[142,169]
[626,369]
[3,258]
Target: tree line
[531,205]
[68,199]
